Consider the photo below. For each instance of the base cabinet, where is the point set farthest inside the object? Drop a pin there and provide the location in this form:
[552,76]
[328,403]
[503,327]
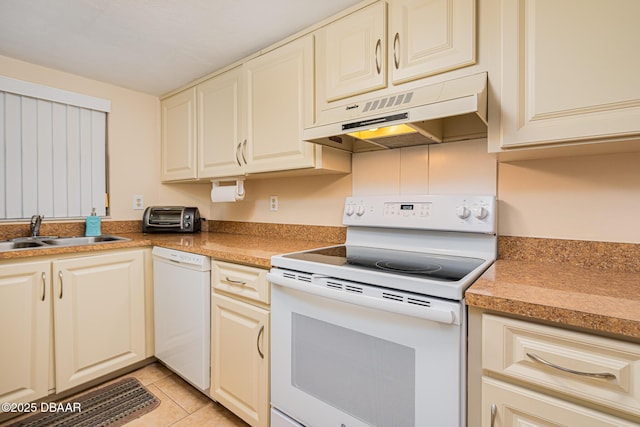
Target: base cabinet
[240,354]
[540,375]
[511,406]
[99,316]
[93,308]
[25,308]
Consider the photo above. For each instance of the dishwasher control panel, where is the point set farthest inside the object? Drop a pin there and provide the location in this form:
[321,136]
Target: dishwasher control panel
[194,260]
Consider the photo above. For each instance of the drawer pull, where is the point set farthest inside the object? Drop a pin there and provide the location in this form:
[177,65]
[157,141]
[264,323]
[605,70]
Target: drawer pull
[396,53]
[258,342]
[378,50]
[60,277]
[604,375]
[494,411]
[236,282]
[44,286]
[237,153]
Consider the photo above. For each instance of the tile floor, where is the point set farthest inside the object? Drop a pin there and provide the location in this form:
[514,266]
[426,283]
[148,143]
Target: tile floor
[181,405]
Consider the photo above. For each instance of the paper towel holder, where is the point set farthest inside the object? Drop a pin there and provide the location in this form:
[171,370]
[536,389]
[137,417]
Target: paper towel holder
[239,184]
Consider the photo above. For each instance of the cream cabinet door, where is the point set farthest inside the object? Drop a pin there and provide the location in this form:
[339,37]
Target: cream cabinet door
[25,308]
[569,71]
[506,405]
[220,126]
[279,105]
[178,140]
[428,37]
[240,358]
[352,54]
[99,315]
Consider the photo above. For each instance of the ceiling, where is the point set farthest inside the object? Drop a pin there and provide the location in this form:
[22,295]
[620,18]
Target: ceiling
[152,46]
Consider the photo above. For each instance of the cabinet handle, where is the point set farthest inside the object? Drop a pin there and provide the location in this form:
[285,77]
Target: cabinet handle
[378,52]
[396,50]
[494,411]
[236,282]
[603,375]
[44,286]
[237,153]
[258,342]
[60,277]
[244,150]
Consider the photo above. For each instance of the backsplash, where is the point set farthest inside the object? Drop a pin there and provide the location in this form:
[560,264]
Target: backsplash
[67,228]
[281,231]
[623,257]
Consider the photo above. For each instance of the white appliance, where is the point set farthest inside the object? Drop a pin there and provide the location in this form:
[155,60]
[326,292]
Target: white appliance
[182,313]
[373,332]
[429,112]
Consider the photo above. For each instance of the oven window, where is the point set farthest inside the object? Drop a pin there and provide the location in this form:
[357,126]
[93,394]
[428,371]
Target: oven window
[367,377]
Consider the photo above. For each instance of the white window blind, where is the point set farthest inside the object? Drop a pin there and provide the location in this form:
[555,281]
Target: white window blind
[52,152]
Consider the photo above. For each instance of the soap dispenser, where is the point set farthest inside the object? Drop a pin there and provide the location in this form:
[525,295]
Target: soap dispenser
[92,224]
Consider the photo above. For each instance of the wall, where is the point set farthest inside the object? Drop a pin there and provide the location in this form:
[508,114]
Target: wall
[463,167]
[452,168]
[313,200]
[133,138]
[581,198]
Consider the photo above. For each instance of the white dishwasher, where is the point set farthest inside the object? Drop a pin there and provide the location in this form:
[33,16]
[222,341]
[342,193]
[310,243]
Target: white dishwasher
[182,313]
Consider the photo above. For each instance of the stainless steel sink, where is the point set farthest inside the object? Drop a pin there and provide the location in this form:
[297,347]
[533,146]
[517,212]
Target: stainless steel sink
[26,244]
[82,240]
[49,241]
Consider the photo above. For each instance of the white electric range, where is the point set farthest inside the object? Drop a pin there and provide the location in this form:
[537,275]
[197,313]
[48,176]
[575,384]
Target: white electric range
[373,332]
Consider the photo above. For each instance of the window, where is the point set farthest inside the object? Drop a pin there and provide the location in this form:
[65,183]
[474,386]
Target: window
[53,149]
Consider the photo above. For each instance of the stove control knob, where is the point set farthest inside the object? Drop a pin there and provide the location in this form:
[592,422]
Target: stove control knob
[462,212]
[349,210]
[480,212]
[360,210]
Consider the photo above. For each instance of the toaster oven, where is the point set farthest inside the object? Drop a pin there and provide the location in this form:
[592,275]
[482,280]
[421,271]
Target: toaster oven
[171,219]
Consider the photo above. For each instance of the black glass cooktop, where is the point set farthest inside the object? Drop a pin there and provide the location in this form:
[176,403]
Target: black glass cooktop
[416,264]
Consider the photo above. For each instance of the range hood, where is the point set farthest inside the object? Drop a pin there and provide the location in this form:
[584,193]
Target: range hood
[449,111]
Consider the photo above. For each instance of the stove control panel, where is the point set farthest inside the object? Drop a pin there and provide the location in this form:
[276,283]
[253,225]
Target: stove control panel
[470,213]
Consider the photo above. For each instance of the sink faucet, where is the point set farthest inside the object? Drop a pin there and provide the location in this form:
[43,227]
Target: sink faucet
[36,220]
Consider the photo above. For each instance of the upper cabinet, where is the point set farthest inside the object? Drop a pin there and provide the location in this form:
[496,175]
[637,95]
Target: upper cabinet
[179,136]
[247,120]
[279,102]
[356,53]
[569,73]
[220,127]
[430,37]
[352,53]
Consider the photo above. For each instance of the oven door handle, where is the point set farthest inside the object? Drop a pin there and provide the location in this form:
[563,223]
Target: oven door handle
[429,313]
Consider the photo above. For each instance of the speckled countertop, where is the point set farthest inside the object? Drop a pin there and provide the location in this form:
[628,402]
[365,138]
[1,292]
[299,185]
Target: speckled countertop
[239,248]
[591,285]
[540,282]
[250,244]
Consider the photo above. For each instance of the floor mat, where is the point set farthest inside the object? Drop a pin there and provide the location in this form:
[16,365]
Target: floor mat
[112,405]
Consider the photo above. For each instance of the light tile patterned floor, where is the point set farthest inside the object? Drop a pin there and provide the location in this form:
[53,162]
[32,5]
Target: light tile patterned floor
[181,405]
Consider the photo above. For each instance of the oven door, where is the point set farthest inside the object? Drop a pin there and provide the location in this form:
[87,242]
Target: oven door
[337,362]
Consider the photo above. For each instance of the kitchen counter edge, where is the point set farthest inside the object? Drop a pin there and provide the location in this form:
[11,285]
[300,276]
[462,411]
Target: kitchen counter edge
[250,250]
[605,302]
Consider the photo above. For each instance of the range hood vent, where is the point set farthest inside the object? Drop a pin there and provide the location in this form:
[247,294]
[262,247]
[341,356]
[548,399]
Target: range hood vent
[449,111]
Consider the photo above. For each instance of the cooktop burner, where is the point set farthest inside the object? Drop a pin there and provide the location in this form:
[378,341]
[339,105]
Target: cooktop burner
[416,264]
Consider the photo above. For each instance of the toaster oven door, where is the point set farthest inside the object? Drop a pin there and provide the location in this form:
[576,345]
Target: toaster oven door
[165,217]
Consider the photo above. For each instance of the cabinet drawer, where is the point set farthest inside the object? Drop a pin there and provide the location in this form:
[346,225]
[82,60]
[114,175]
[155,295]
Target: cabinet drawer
[241,280]
[516,406]
[601,370]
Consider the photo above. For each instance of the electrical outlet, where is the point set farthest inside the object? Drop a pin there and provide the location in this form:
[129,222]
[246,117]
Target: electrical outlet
[273,203]
[138,202]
